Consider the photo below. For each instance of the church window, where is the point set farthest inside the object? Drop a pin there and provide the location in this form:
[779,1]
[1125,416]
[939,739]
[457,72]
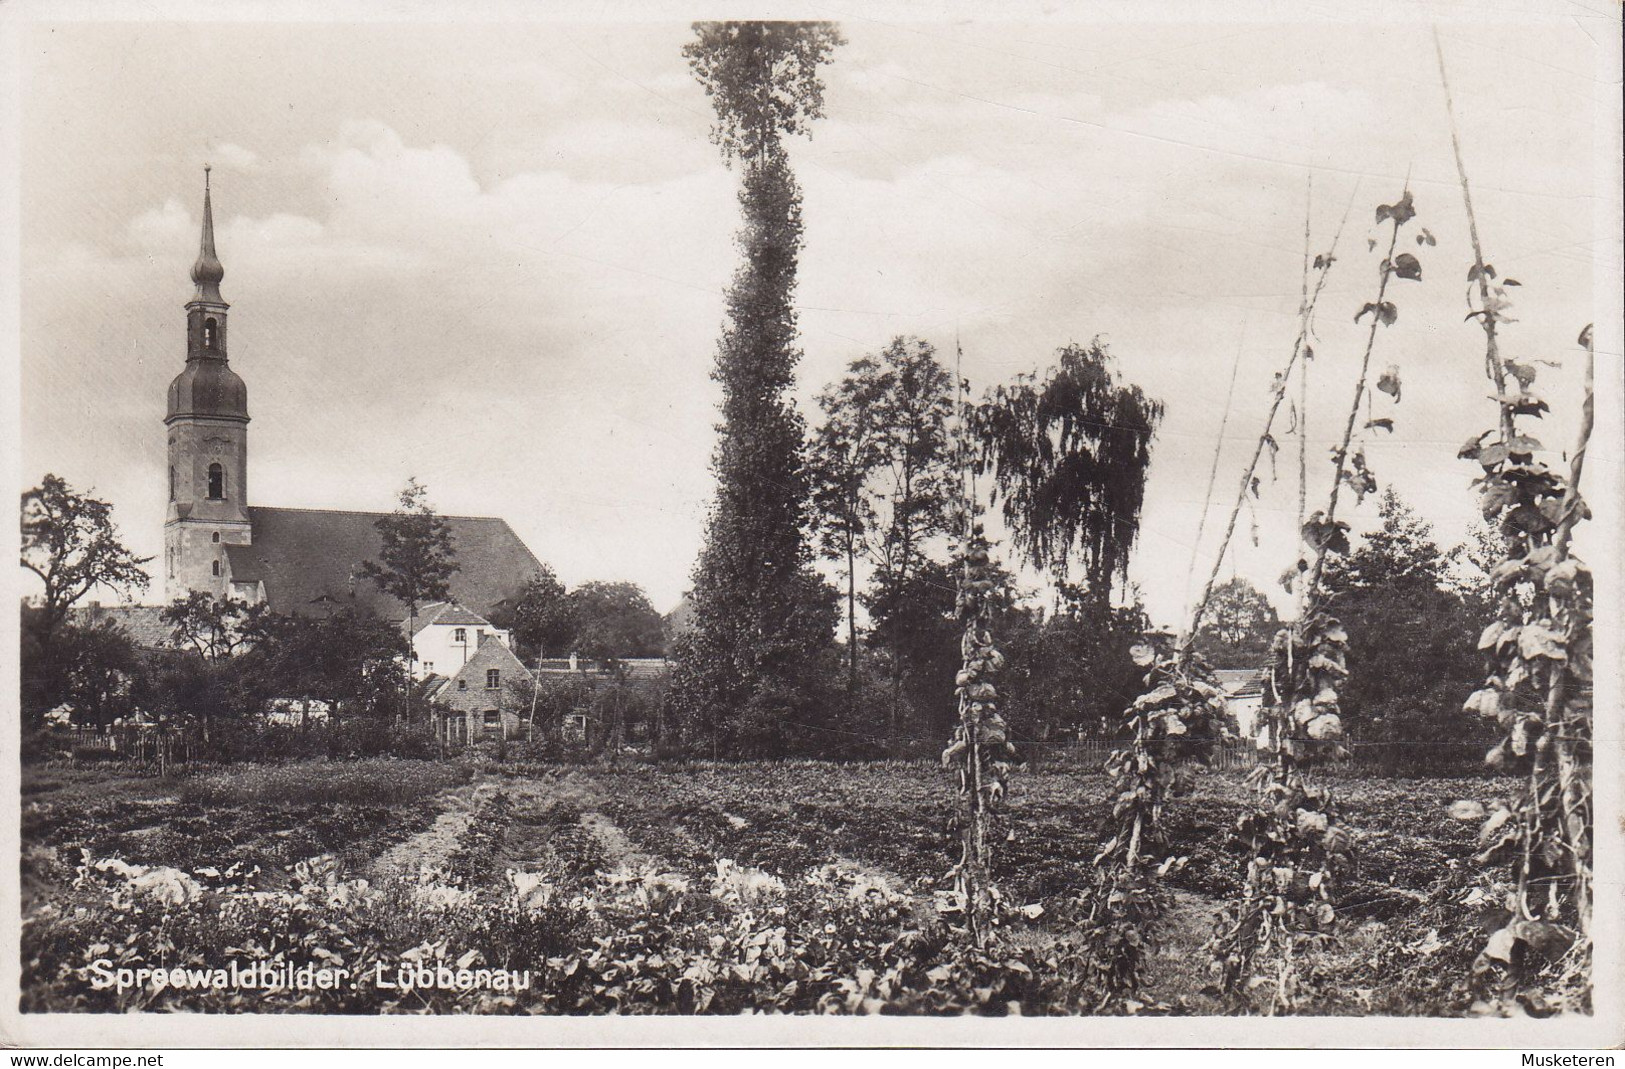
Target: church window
[217,483]
[172,482]
[493,678]
[216,567]
[215,537]
[211,334]
[460,635]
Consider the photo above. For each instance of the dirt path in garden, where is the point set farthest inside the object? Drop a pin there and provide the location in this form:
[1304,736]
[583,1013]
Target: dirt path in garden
[575,788]
[431,847]
[1178,969]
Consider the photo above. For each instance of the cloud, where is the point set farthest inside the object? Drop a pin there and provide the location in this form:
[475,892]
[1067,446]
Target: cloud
[232,157]
[505,274]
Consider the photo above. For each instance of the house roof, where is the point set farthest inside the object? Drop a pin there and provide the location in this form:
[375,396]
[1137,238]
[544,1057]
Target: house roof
[143,623]
[1239,680]
[491,654]
[446,613]
[310,557]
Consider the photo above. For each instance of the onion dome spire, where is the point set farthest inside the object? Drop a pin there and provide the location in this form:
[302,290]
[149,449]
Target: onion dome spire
[207,271]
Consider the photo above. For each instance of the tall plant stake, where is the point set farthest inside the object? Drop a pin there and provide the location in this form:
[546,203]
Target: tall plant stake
[1302,352]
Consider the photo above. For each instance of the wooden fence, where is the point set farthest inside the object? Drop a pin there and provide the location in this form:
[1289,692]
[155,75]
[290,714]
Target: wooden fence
[1092,753]
[141,745]
[1446,758]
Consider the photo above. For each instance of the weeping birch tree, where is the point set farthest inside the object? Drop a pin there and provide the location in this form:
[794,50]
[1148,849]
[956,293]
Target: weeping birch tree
[1069,454]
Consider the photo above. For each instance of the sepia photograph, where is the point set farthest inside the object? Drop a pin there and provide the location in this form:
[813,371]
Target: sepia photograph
[1084,524]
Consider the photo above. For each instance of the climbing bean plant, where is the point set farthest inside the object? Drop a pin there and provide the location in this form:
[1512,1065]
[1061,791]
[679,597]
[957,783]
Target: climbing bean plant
[1294,847]
[1538,690]
[980,751]
[1174,722]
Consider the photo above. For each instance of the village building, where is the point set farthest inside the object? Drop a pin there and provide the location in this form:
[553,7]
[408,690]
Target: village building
[1243,697]
[445,637]
[483,700]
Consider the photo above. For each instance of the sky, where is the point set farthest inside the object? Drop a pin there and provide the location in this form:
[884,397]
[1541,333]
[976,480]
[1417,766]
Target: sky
[491,254]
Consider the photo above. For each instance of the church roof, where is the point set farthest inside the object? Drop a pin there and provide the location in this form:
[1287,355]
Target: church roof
[244,562]
[207,272]
[310,557]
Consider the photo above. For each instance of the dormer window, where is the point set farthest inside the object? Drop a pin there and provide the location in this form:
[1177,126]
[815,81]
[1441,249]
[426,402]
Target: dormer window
[217,483]
[211,334]
[460,635]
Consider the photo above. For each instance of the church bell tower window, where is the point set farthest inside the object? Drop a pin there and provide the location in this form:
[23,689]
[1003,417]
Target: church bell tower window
[217,483]
[211,334]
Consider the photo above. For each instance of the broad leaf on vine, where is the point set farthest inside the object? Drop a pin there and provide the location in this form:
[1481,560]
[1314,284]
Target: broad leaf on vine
[1401,212]
[1538,640]
[1388,382]
[1408,266]
[1524,373]
[1474,446]
[1386,312]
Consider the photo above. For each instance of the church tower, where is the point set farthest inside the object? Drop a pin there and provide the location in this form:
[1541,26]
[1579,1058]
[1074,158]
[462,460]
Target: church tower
[208,440]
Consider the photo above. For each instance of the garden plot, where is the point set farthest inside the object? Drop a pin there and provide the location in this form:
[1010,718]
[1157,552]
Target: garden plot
[793,887]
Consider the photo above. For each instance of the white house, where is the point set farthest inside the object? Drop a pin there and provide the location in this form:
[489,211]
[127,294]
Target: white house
[447,637]
[1243,697]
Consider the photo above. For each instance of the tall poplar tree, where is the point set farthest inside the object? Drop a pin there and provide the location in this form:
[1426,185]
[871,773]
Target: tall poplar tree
[763,619]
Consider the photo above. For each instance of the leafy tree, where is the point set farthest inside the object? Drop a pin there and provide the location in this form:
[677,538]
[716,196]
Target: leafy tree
[1239,625]
[754,658]
[845,453]
[417,557]
[70,541]
[915,626]
[191,687]
[88,668]
[209,626]
[615,620]
[1074,669]
[1412,638]
[353,662]
[541,617]
[1069,456]
[100,664]
[884,487]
